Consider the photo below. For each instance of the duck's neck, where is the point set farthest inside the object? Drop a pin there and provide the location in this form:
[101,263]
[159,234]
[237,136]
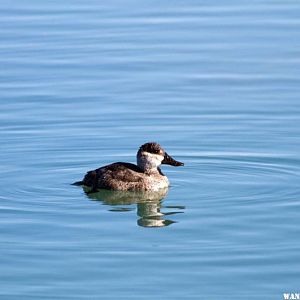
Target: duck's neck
[147,166]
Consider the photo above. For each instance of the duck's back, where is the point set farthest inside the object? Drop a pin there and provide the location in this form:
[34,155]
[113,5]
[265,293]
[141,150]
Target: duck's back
[117,176]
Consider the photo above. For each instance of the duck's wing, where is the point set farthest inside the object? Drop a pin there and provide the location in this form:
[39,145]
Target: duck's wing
[117,176]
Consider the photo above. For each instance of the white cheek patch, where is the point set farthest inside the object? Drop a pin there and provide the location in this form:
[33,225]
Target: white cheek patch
[153,157]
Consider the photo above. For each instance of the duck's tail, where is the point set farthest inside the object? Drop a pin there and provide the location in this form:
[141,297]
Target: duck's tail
[77,183]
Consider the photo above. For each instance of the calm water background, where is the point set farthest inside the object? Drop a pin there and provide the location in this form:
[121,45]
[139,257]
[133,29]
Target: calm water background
[84,83]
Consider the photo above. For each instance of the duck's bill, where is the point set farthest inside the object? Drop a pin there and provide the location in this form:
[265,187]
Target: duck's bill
[168,160]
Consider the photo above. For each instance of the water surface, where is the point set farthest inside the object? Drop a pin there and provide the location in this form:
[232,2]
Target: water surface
[85,83]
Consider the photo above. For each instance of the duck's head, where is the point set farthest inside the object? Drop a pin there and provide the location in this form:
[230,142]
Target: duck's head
[151,155]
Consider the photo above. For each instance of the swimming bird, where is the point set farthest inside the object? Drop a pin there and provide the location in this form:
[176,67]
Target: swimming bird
[122,176]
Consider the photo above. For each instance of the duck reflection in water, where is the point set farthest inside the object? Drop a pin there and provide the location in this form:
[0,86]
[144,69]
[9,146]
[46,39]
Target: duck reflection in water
[149,205]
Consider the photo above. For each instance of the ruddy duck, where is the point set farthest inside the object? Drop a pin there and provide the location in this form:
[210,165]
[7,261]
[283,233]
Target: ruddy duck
[121,176]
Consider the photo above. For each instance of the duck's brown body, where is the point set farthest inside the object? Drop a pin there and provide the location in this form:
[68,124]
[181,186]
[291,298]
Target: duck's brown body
[125,177]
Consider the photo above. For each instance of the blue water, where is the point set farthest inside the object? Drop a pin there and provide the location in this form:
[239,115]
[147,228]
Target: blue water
[85,83]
